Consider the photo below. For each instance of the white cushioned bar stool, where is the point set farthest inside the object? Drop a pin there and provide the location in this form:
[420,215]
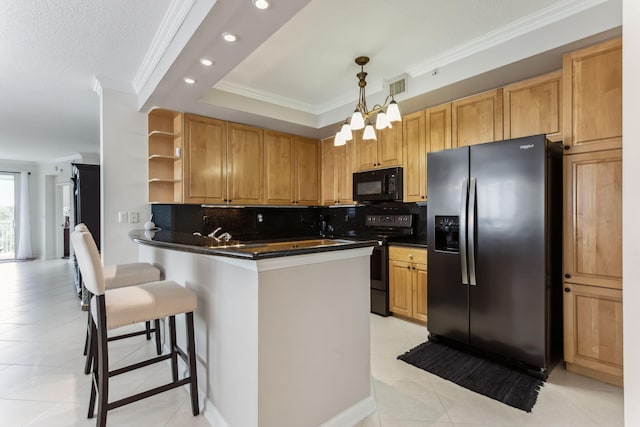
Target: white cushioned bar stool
[119,307]
[118,276]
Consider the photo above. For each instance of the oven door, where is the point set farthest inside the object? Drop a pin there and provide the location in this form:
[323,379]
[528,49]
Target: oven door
[380,280]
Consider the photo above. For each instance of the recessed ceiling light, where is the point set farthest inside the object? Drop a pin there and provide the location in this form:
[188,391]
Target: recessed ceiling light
[206,62]
[189,80]
[229,37]
[261,4]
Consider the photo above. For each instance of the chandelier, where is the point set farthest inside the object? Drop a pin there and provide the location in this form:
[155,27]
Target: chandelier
[361,117]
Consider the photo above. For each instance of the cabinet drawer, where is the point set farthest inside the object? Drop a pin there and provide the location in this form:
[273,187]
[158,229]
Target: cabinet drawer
[407,254]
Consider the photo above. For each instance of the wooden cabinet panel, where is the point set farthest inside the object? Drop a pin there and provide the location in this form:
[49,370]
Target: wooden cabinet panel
[593,218]
[424,132]
[592,89]
[205,160]
[415,153]
[383,152]
[408,282]
[533,106]
[345,158]
[477,119]
[279,167]
[245,160]
[306,178]
[390,146]
[400,288]
[593,331]
[337,172]
[420,293]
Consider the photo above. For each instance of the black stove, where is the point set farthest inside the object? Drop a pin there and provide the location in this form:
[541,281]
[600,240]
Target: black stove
[384,228]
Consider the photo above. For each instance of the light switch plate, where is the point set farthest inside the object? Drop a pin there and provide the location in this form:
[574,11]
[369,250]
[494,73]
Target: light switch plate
[123,217]
[133,217]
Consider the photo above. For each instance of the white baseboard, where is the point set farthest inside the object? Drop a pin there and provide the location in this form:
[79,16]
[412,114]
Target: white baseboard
[212,414]
[353,415]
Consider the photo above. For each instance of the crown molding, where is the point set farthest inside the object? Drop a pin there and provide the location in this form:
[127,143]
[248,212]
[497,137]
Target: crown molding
[514,29]
[265,96]
[171,23]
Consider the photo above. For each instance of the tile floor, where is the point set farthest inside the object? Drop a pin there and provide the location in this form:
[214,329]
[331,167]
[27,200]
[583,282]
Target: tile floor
[41,380]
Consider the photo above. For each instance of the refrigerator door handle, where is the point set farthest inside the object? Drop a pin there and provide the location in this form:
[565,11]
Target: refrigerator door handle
[463,231]
[472,230]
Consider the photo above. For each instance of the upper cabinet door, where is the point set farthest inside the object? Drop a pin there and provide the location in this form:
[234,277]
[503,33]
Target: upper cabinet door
[205,160]
[390,146]
[245,164]
[534,106]
[593,98]
[593,218]
[477,119]
[279,167]
[306,178]
[415,155]
[366,151]
[330,173]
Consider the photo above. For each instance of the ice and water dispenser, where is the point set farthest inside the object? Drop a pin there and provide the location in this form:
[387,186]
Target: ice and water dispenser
[447,233]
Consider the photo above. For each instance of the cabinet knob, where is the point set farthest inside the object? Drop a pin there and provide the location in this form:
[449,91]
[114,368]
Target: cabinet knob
[567,290]
[373,164]
[567,147]
[567,276]
[408,267]
[411,256]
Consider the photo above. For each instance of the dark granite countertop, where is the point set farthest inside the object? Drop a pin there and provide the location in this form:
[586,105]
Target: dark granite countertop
[253,250]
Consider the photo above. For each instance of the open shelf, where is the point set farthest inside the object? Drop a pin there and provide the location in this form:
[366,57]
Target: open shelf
[164,156]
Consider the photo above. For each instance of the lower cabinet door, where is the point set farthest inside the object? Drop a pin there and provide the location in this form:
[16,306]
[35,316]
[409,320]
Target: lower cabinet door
[400,289]
[420,292]
[593,331]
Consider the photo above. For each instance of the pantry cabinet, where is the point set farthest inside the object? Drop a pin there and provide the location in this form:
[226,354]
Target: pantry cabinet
[534,106]
[477,119]
[593,332]
[592,89]
[593,218]
[383,152]
[408,282]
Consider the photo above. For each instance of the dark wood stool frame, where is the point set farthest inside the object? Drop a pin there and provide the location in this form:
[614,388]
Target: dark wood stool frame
[101,374]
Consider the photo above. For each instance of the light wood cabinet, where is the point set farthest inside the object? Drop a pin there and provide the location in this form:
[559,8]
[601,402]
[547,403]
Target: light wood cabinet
[592,92]
[306,171]
[593,332]
[477,119]
[245,164]
[408,282]
[205,160]
[534,106]
[593,218]
[383,152]
[337,173]
[424,132]
[164,160]
[292,169]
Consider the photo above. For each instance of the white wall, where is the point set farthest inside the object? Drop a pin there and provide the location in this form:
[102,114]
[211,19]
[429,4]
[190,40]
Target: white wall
[631,210]
[123,149]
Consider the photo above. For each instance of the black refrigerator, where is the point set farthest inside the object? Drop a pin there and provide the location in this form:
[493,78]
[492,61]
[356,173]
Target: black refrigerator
[494,235]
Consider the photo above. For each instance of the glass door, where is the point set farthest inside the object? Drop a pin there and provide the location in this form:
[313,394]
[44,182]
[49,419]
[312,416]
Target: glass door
[7,216]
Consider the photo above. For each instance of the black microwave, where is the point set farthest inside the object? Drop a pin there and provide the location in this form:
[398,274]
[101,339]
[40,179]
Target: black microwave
[379,185]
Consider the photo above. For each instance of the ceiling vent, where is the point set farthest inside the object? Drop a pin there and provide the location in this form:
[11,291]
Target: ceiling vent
[397,85]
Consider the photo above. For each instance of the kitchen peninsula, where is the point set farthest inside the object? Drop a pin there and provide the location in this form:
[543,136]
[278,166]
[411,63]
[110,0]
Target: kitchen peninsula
[282,329]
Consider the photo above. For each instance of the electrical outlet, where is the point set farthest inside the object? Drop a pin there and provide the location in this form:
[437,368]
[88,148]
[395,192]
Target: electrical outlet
[123,217]
[133,217]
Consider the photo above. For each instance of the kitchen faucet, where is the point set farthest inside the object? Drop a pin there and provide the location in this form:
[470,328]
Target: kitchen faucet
[224,236]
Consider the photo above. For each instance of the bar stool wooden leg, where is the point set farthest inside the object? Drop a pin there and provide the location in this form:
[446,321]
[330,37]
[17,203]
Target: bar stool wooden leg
[191,349]
[158,341]
[103,366]
[174,350]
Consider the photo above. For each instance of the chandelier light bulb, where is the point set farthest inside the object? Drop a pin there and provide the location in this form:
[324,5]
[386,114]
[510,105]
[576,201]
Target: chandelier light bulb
[339,139]
[346,132]
[357,121]
[382,121]
[369,132]
[393,112]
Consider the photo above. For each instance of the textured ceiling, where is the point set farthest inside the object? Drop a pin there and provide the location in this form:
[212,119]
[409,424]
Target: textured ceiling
[292,68]
[49,52]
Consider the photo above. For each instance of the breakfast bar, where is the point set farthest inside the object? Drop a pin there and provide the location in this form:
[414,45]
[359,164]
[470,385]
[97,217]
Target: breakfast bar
[282,327]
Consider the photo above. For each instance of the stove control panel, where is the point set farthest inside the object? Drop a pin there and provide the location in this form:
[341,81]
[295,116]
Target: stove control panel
[396,221]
